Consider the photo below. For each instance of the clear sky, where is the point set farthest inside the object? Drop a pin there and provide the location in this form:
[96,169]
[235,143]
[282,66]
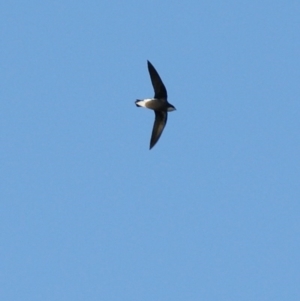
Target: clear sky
[87,212]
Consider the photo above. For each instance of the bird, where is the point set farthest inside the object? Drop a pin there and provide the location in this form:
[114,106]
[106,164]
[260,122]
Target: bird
[159,103]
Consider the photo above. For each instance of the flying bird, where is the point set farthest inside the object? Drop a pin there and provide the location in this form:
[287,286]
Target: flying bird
[158,103]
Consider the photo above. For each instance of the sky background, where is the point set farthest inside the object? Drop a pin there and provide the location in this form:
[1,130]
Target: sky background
[87,212]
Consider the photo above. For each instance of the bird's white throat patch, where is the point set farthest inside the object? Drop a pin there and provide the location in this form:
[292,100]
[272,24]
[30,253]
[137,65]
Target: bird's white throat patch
[143,102]
[148,99]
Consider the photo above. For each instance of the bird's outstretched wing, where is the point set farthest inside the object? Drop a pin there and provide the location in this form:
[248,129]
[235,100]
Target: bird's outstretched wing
[160,90]
[158,127]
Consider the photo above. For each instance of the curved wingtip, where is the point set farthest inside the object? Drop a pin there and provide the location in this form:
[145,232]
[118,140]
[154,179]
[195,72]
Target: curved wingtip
[153,141]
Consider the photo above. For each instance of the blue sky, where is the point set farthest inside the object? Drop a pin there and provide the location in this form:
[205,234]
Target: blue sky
[87,212]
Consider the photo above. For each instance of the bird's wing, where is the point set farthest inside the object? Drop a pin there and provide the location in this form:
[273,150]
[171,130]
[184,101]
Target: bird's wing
[158,127]
[160,90]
